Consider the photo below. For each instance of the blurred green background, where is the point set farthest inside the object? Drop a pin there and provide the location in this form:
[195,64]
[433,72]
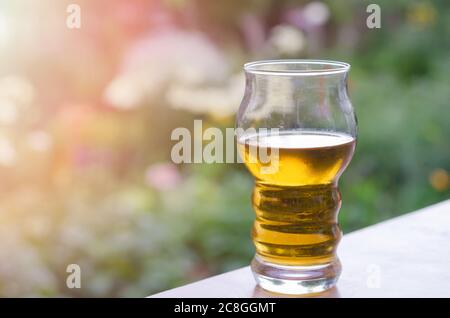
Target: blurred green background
[86,116]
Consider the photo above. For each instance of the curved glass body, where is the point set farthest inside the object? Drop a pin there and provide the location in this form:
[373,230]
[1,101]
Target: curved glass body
[296,133]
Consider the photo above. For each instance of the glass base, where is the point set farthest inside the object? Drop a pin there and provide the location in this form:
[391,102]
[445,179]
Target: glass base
[295,280]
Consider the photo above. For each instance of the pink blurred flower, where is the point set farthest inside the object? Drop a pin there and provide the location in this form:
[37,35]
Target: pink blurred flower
[39,140]
[162,176]
[313,15]
[163,60]
[84,157]
[286,39]
[253,30]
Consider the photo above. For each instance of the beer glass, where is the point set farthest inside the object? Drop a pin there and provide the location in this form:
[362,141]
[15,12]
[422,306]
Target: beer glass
[296,133]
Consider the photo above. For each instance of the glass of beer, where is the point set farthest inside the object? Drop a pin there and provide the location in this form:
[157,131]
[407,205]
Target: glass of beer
[296,133]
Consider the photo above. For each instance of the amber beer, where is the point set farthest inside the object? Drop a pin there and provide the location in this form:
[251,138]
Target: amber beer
[297,203]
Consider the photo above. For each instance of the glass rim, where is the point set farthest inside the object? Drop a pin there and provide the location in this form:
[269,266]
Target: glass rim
[263,67]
